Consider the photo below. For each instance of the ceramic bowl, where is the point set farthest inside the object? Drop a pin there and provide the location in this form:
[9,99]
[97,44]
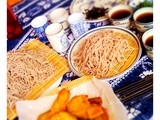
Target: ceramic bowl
[132,58]
[82,5]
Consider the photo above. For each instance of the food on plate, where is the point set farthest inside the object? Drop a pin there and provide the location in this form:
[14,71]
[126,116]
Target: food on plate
[95,101]
[101,52]
[104,116]
[94,111]
[79,107]
[63,116]
[60,103]
[46,115]
[95,13]
[25,68]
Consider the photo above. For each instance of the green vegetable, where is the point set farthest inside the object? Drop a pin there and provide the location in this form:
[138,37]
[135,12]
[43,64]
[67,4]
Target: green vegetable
[145,4]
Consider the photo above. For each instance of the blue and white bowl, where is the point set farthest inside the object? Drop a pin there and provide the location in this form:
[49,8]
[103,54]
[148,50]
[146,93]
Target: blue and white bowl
[97,23]
[82,5]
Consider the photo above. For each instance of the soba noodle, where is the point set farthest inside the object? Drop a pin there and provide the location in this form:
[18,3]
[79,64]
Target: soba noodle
[25,68]
[100,52]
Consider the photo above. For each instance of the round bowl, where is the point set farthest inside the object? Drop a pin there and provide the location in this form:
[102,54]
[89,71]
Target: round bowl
[97,23]
[130,57]
[82,5]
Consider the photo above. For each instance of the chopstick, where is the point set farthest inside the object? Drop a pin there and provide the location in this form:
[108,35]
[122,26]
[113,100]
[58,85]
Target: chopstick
[137,94]
[137,83]
[147,97]
[136,89]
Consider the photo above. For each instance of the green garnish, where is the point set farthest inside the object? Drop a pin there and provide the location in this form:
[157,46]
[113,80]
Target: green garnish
[145,4]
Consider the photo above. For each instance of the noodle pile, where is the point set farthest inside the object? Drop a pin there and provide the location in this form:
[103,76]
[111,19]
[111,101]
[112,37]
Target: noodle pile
[25,69]
[100,52]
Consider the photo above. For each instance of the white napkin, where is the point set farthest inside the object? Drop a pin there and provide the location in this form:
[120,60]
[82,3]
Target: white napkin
[31,109]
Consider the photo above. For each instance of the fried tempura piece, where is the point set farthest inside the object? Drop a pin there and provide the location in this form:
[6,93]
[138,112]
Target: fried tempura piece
[63,116]
[78,106]
[60,103]
[45,116]
[96,100]
[94,111]
[104,116]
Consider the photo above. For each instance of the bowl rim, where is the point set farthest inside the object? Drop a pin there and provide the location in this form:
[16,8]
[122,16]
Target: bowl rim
[100,28]
[140,10]
[88,21]
[97,20]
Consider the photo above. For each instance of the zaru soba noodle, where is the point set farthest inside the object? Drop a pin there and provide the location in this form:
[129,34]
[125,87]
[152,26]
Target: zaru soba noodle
[100,52]
[25,69]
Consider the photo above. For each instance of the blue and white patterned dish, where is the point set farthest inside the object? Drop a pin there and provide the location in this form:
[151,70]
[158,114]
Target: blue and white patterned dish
[97,23]
[39,24]
[82,5]
[78,24]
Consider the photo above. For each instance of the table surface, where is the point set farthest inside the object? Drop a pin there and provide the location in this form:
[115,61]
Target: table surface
[29,9]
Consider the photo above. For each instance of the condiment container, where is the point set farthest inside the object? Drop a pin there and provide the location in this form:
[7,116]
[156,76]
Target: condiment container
[143,18]
[78,24]
[57,37]
[120,15]
[147,40]
[60,15]
[39,24]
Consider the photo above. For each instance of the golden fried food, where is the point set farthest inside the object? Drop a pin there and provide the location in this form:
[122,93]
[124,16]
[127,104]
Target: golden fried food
[96,100]
[78,106]
[94,111]
[104,116]
[45,116]
[60,103]
[63,116]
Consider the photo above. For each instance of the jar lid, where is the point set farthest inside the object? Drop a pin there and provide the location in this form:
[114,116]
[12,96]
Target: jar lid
[58,14]
[39,21]
[74,18]
[53,29]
